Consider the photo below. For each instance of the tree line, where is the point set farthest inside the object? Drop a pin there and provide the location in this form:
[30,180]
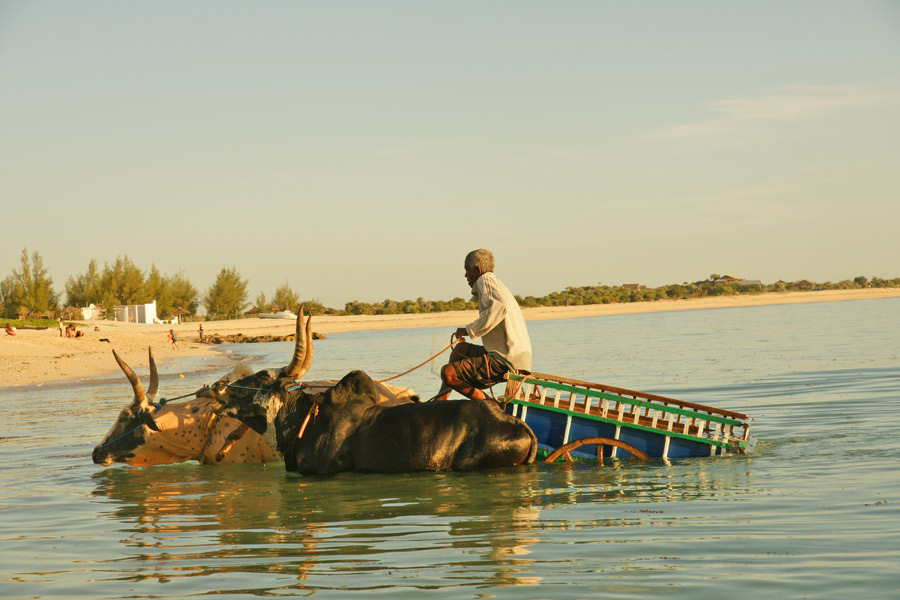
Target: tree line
[28,292]
[606,294]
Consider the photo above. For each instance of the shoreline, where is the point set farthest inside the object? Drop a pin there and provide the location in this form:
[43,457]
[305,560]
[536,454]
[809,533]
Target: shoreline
[38,357]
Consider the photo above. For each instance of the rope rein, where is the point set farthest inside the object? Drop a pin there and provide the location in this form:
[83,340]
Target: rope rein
[156,407]
[163,401]
[487,369]
[243,387]
[314,409]
[127,433]
[445,348]
[453,342]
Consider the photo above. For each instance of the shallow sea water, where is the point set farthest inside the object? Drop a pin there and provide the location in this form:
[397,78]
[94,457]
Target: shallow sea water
[813,513]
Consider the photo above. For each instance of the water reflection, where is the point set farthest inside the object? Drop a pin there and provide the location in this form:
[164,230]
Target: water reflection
[194,521]
[438,529]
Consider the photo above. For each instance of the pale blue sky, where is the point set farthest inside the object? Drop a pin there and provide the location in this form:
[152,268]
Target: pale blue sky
[358,150]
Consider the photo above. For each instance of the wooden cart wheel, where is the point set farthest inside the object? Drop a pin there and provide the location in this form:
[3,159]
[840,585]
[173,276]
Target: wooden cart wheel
[600,442]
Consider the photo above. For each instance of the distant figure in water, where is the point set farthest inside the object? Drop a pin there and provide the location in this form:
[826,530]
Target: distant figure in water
[173,337]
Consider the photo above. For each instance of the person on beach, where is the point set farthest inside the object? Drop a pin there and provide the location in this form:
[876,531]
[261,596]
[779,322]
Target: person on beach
[10,330]
[173,337]
[59,326]
[200,331]
[501,325]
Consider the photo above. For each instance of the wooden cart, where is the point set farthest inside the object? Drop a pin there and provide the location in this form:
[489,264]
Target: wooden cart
[581,420]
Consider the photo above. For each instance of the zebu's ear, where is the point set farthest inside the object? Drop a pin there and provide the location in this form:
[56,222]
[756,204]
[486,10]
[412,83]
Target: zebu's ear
[147,419]
[257,424]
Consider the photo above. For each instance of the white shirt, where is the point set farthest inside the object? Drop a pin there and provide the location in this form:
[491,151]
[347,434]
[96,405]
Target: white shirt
[500,322]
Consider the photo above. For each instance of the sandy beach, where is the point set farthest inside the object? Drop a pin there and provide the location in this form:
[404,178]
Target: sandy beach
[36,357]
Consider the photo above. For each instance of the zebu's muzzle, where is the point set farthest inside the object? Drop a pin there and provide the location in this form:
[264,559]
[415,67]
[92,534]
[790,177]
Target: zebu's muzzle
[101,457]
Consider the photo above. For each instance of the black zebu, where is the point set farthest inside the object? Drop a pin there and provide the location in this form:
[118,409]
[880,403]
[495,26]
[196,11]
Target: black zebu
[346,428]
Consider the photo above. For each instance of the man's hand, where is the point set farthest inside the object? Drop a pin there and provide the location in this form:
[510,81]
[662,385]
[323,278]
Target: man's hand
[461,333]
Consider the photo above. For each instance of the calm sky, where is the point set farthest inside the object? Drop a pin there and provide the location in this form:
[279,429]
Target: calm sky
[357,150]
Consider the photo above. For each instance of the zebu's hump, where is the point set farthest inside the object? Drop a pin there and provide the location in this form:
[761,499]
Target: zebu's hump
[355,388]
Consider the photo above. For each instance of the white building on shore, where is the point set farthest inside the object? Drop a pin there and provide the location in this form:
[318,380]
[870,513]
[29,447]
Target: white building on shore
[137,313]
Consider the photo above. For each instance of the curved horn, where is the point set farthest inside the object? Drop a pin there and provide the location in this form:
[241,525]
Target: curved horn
[307,360]
[300,349]
[139,396]
[154,377]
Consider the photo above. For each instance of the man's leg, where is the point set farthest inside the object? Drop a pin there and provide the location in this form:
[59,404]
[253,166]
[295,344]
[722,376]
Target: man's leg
[452,380]
[473,371]
[462,351]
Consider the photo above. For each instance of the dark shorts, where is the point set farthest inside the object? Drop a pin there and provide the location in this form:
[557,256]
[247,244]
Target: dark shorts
[479,368]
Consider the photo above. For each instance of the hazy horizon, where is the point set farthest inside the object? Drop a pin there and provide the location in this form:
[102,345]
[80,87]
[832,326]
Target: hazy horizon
[358,150]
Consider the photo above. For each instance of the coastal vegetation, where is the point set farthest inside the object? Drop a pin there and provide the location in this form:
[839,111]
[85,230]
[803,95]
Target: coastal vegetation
[27,293]
[606,294]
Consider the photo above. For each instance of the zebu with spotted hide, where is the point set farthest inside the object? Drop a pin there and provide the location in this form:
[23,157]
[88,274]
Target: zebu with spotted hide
[149,434]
